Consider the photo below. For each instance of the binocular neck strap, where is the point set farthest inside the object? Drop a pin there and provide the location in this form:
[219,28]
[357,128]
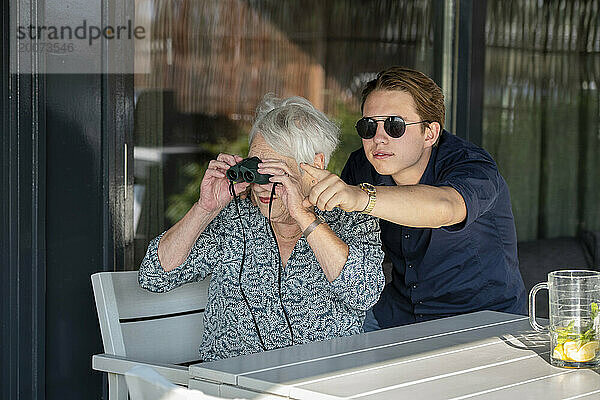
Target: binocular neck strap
[271,200]
[231,189]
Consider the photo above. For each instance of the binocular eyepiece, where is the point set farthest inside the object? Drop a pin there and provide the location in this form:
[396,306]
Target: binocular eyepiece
[247,171]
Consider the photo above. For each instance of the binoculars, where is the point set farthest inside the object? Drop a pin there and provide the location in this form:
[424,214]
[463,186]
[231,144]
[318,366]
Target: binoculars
[247,170]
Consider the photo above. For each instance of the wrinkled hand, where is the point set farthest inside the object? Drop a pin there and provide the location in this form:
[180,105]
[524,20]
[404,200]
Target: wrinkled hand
[331,191]
[214,189]
[289,190]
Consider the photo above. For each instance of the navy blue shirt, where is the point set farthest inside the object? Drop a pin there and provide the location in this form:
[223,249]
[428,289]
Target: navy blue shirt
[456,269]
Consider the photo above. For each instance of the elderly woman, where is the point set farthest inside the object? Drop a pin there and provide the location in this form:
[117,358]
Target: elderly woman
[314,282]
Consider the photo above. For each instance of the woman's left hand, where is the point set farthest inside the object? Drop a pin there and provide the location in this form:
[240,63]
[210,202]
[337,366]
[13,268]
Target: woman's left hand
[289,188]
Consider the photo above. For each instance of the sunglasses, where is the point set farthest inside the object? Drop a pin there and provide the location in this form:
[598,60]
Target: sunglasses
[393,126]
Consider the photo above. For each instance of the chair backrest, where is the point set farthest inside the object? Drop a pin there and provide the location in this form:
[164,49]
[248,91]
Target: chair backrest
[145,326]
[144,383]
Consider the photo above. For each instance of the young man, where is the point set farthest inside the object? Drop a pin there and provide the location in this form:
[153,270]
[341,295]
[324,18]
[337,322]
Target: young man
[445,212]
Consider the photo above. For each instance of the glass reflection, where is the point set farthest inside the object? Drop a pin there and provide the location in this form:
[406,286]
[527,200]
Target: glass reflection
[541,108]
[212,61]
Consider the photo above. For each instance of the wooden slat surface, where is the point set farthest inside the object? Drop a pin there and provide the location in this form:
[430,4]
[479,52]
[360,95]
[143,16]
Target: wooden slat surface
[562,384]
[120,365]
[228,372]
[498,357]
[135,302]
[405,362]
[167,340]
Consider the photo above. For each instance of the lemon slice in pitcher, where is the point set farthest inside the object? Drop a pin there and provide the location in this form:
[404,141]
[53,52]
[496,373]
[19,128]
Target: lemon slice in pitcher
[570,348]
[586,352]
[558,352]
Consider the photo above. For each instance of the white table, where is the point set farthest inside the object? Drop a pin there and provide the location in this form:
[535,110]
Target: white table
[483,355]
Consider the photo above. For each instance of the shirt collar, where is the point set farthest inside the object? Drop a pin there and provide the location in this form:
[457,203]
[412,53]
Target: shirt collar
[382,180]
[428,176]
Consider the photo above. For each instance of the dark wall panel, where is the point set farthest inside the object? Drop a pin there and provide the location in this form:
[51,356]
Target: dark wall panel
[22,220]
[74,231]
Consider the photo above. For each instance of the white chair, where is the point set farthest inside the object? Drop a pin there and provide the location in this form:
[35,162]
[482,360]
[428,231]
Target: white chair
[160,330]
[144,383]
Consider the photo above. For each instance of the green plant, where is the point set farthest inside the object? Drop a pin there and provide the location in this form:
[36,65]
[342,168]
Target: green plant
[178,204]
[349,140]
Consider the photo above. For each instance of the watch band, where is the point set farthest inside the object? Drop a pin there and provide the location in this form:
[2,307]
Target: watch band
[372,192]
[318,221]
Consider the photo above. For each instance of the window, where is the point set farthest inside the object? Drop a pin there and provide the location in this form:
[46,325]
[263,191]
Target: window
[212,61]
[541,112]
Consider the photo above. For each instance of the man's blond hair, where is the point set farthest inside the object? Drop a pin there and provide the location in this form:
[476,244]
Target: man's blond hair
[428,97]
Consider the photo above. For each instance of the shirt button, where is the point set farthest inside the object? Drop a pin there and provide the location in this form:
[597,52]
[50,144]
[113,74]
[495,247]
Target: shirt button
[420,315]
[407,236]
[409,265]
[415,286]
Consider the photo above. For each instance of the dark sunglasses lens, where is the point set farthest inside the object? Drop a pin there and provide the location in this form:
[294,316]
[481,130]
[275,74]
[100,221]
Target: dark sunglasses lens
[394,126]
[366,128]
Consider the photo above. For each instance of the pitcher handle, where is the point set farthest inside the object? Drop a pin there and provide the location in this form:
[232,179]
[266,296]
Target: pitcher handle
[532,294]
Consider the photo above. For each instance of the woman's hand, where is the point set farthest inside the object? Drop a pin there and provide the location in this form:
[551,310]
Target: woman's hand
[214,189]
[289,189]
[331,191]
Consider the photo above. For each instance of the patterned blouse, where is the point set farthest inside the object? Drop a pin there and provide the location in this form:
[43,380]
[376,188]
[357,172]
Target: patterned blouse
[317,309]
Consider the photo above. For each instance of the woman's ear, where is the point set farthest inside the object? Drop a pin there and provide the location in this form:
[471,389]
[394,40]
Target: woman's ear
[319,161]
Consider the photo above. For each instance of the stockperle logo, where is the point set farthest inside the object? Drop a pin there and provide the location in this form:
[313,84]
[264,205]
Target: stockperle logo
[86,46]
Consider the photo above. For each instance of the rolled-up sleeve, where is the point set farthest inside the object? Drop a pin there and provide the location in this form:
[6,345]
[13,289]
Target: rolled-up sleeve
[199,263]
[361,281]
[478,182]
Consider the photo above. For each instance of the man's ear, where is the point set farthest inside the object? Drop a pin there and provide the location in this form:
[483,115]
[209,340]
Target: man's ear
[319,161]
[432,133]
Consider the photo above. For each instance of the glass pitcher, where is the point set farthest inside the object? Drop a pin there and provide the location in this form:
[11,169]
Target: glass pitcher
[574,318]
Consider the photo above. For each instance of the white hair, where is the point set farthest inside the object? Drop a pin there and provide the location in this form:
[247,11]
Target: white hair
[295,128]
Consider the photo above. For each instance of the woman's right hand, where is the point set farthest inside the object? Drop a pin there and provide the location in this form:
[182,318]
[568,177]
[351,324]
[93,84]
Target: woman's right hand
[214,189]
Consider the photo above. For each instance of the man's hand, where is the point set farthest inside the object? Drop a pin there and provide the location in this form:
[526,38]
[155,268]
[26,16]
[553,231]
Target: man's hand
[289,188]
[331,191]
[214,189]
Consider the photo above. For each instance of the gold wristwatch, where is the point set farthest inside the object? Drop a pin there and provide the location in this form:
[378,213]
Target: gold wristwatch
[372,192]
